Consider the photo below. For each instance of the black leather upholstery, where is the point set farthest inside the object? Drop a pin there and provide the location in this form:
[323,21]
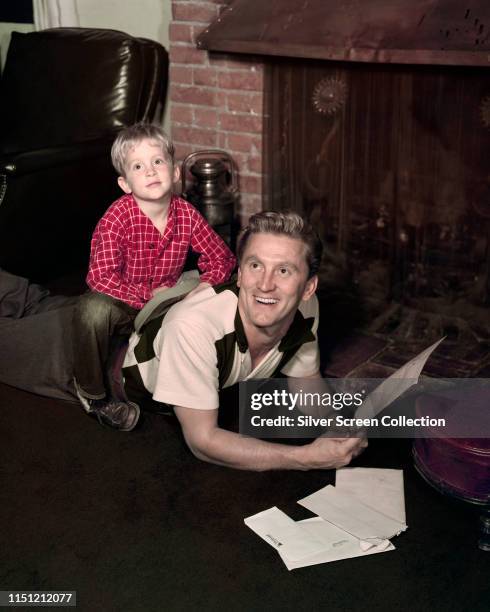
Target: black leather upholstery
[65,92]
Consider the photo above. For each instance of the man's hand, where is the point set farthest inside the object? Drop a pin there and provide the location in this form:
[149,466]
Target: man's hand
[332,453]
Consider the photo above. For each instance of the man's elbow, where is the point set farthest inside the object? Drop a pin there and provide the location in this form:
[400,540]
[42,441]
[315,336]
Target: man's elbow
[197,445]
[196,451]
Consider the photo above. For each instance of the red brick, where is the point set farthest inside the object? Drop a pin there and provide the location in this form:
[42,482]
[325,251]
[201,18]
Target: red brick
[182,150]
[241,79]
[180,75]
[186,54]
[206,117]
[239,158]
[222,140]
[251,184]
[198,29]
[195,136]
[205,76]
[180,32]
[181,113]
[245,102]
[203,12]
[252,203]
[244,142]
[254,164]
[192,95]
[249,204]
[241,123]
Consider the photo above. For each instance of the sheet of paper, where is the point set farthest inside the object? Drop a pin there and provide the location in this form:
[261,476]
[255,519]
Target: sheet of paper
[351,515]
[337,545]
[380,489]
[284,534]
[396,384]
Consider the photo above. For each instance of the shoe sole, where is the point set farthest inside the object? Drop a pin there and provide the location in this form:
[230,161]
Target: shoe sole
[136,420]
[95,414]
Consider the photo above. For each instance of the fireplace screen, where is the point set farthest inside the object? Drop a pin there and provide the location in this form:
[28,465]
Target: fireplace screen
[392,164]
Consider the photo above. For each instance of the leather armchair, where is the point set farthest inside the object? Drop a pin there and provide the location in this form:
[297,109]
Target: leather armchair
[64,94]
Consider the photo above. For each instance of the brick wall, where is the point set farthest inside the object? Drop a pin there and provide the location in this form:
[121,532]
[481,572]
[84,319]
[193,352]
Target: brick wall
[216,99]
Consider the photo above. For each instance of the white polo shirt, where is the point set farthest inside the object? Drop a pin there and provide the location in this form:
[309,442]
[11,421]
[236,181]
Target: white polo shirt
[185,357]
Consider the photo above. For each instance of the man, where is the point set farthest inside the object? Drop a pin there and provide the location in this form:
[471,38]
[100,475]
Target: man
[263,325]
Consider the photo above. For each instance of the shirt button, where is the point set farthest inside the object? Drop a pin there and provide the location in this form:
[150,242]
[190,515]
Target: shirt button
[151,245]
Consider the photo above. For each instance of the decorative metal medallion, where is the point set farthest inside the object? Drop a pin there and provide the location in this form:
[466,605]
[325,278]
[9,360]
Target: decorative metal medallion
[485,111]
[329,95]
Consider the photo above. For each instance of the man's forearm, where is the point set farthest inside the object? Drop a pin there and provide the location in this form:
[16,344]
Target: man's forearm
[232,450]
[210,443]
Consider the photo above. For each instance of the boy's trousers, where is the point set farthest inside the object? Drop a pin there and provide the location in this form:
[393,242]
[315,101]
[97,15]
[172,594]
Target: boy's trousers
[97,320]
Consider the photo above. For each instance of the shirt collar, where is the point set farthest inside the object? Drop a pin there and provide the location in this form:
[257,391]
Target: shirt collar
[241,338]
[299,333]
[171,226]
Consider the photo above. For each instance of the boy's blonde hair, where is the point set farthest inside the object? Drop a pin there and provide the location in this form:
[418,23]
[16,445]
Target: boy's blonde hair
[131,136]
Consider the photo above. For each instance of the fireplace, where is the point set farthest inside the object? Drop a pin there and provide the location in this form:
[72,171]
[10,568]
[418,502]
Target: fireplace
[389,156]
[391,164]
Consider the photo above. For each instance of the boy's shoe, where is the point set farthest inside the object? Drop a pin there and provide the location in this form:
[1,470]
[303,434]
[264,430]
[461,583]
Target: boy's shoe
[115,413]
[120,415]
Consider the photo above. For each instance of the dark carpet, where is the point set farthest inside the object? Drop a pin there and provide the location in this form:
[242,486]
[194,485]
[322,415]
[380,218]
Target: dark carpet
[134,522]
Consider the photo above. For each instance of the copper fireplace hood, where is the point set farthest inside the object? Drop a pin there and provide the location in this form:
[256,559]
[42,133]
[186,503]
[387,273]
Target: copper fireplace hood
[444,32]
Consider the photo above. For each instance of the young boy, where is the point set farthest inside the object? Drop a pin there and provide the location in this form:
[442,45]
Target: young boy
[138,249]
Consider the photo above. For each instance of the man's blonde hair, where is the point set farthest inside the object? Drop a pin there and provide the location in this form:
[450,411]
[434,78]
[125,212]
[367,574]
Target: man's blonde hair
[284,224]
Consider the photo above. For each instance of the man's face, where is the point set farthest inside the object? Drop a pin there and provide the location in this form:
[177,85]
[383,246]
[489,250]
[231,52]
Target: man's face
[149,173]
[273,279]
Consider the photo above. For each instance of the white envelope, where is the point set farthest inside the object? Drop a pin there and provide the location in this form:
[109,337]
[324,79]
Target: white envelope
[381,489]
[284,534]
[351,515]
[337,545]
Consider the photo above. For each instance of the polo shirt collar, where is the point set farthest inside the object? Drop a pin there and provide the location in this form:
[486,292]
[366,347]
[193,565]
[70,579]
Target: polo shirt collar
[241,338]
[298,333]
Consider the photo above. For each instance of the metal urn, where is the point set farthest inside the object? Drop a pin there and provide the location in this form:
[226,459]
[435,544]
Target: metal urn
[209,181]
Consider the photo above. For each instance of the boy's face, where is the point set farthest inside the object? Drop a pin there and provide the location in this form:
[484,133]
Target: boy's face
[149,173]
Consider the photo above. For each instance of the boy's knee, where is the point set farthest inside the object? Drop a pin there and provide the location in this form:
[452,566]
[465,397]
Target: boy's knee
[94,308]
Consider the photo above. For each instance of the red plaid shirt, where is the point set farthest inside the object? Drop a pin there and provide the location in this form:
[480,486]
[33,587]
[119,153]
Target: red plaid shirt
[129,257]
